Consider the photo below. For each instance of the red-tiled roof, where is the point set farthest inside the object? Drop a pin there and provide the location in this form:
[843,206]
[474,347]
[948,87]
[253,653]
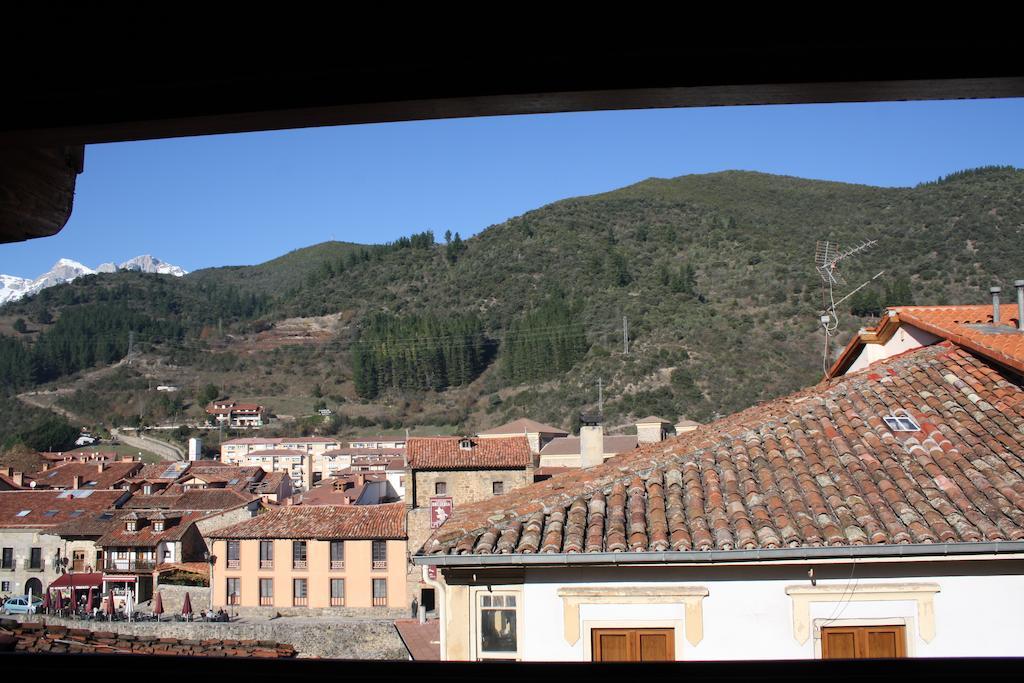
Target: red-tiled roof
[446,453]
[522,426]
[423,641]
[196,499]
[258,440]
[89,474]
[66,506]
[570,445]
[175,528]
[817,468]
[323,522]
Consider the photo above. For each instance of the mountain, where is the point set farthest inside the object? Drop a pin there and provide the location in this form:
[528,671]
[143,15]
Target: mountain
[714,275]
[65,270]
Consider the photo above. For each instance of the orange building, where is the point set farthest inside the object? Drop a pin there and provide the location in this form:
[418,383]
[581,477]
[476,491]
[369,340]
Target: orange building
[315,557]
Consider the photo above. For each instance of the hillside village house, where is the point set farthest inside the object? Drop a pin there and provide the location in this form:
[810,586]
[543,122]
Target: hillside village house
[593,446]
[300,558]
[32,555]
[879,513]
[235,415]
[537,433]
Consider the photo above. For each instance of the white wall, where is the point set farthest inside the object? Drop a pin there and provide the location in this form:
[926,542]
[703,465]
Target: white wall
[904,339]
[752,618]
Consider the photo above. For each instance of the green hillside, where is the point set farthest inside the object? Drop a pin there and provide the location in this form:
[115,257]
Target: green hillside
[715,274]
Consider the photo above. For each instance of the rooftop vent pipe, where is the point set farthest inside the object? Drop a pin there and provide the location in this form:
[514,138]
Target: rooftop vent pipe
[995,303]
[1019,284]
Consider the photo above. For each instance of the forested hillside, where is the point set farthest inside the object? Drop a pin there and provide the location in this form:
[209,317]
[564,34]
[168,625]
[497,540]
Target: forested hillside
[714,274]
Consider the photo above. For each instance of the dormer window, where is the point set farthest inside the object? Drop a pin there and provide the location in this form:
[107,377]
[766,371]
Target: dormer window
[466,444]
[131,525]
[147,489]
[158,525]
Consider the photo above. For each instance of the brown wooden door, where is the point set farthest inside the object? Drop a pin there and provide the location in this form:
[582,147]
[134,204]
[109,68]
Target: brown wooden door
[863,642]
[633,645]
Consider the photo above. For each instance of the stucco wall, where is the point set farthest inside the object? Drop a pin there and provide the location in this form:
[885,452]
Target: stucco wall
[978,609]
[23,542]
[357,573]
[904,339]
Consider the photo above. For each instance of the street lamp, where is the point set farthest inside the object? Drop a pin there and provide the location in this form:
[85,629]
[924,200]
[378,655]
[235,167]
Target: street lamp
[210,559]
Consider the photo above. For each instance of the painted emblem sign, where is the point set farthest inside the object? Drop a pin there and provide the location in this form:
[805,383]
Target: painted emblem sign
[440,510]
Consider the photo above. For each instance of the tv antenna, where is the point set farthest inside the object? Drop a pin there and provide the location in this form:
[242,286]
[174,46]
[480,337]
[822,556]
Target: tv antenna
[827,256]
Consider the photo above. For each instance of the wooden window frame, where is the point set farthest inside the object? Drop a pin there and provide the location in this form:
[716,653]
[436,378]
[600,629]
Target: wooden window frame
[860,633]
[229,597]
[266,600]
[375,563]
[337,601]
[267,563]
[634,633]
[374,599]
[337,564]
[476,600]
[236,561]
[300,600]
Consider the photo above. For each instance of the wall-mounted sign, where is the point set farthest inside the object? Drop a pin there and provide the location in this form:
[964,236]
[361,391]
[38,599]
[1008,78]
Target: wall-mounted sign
[432,572]
[440,510]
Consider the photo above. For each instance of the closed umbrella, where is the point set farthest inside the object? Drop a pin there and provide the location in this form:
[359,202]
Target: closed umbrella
[158,606]
[129,605]
[88,603]
[46,602]
[186,608]
[110,606]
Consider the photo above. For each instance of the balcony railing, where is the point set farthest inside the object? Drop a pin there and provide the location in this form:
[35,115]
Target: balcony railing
[300,602]
[298,564]
[234,564]
[337,564]
[381,601]
[337,602]
[380,564]
[129,565]
[266,601]
[7,567]
[31,566]
[235,599]
[266,564]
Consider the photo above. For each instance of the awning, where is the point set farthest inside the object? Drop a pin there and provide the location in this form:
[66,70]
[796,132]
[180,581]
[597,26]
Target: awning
[120,578]
[78,581]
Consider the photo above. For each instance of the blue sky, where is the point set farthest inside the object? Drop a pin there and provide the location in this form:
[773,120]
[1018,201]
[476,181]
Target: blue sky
[243,199]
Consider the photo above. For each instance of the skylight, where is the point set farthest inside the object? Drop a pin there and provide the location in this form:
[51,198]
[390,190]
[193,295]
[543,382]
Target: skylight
[50,513]
[24,513]
[901,423]
[76,513]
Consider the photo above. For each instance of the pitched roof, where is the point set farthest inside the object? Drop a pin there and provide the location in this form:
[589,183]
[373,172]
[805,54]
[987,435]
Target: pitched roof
[968,326]
[259,440]
[816,468]
[524,425]
[323,522]
[63,476]
[446,453]
[651,419]
[145,536]
[49,508]
[570,445]
[195,499]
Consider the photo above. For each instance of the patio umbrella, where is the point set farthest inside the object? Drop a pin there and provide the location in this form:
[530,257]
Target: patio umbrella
[128,605]
[186,608]
[158,606]
[110,606]
[46,602]
[88,604]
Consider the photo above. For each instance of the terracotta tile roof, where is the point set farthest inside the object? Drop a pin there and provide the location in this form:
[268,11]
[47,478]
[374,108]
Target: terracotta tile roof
[445,453]
[65,506]
[570,445]
[524,425]
[817,468]
[63,476]
[260,441]
[323,522]
[423,641]
[196,499]
[38,637]
[176,526]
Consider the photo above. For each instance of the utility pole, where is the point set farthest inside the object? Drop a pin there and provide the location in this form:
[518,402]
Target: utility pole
[600,397]
[625,336]
[131,345]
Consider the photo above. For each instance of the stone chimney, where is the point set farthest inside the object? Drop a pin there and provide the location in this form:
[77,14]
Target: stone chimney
[46,466]
[19,478]
[591,440]
[100,466]
[76,482]
[994,291]
[651,430]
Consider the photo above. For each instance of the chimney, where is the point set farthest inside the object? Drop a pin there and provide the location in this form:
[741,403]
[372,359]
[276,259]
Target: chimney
[650,432]
[307,472]
[995,304]
[100,466]
[8,471]
[76,482]
[19,478]
[591,440]
[1019,284]
[46,466]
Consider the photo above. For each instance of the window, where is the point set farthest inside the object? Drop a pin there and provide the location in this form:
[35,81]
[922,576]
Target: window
[440,488]
[337,592]
[380,592]
[7,561]
[298,554]
[633,645]
[158,525]
[863,642]
[234,591]
[50,513]
[5,586]
[901,423]
[234,554]
[23,513]
[498,487]
[266,554]
[380,554]
[266,592]
[337,554]
[35,558]
[300,597]
[497,617]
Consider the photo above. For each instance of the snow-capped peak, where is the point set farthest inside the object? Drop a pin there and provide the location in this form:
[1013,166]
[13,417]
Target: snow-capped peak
[66,270]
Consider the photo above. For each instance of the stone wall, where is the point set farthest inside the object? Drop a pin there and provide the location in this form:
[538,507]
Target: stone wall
[354,639]
[173,598]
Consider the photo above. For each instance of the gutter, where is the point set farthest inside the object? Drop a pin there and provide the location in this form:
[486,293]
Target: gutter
[918,550]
